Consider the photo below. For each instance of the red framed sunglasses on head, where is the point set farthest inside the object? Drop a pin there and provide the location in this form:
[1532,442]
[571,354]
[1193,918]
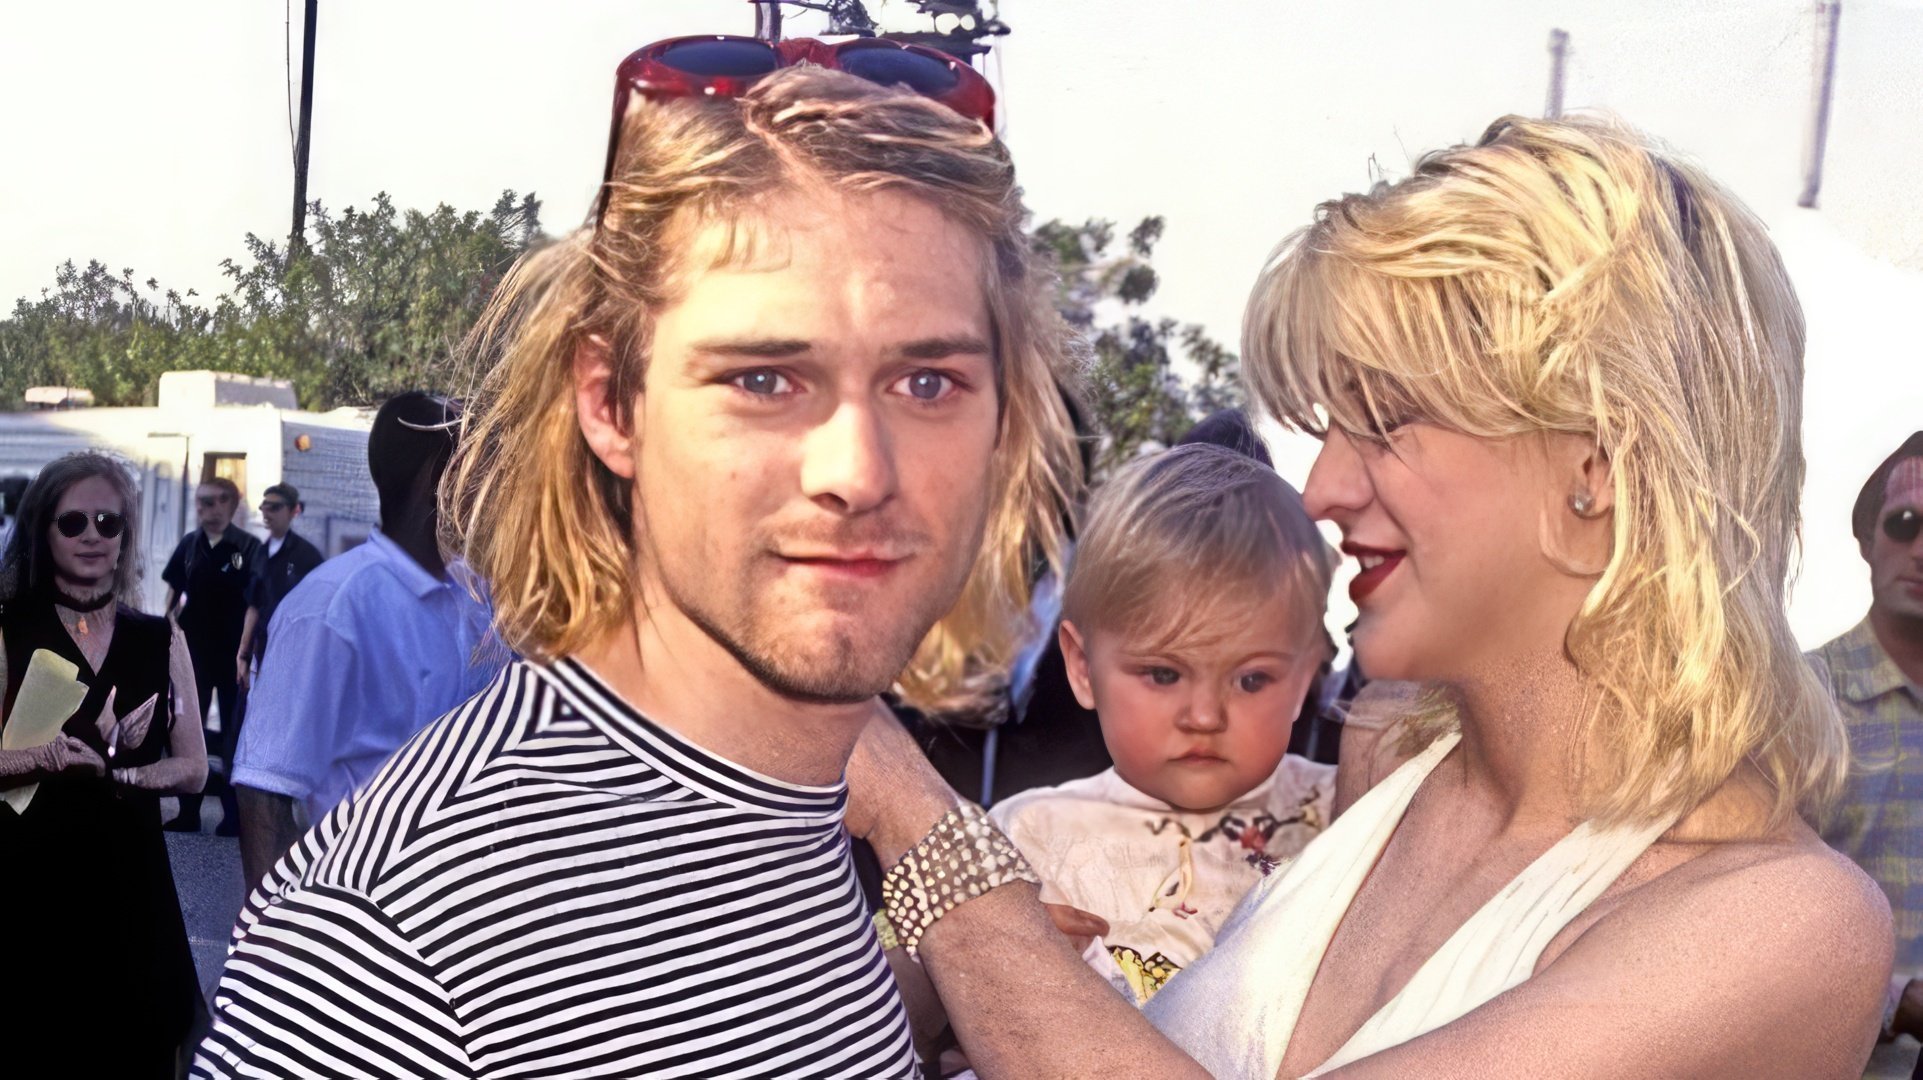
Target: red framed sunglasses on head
[723,65]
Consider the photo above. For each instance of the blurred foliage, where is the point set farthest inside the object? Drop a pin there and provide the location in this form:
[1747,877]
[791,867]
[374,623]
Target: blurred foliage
[377,301]
[373,304]
[1140,400]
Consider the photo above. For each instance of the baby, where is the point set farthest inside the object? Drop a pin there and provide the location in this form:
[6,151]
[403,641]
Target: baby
[1192,625]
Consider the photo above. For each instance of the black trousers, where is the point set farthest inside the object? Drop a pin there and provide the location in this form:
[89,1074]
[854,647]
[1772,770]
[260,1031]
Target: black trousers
[214,679]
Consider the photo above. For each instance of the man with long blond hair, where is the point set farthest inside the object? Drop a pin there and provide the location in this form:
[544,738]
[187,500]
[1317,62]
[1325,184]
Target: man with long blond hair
[779,430]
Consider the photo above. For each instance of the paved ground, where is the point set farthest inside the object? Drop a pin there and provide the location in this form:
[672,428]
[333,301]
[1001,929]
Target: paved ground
[207,873]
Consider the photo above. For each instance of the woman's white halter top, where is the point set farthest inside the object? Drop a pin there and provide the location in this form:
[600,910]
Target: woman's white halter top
[1236,1008]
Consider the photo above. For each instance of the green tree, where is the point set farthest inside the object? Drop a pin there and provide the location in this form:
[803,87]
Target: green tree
[374,304]
[1139,398]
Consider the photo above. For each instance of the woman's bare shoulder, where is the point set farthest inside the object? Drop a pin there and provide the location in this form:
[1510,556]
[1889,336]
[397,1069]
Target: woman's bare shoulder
[1799,927]
[1790,875]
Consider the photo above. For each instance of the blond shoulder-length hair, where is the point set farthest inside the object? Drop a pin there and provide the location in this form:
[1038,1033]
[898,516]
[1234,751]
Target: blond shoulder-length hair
[550,528]
[1570,277]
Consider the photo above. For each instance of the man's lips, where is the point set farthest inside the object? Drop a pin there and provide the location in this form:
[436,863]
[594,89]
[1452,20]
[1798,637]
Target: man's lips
[1377,564]
[859,565]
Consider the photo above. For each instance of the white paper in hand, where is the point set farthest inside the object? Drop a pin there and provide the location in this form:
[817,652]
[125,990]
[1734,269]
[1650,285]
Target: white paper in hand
[49,693]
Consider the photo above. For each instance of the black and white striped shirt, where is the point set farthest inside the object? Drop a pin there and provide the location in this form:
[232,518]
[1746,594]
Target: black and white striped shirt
[545,883]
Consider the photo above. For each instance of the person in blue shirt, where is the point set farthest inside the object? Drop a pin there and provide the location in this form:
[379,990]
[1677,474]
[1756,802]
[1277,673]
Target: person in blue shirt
[369,648]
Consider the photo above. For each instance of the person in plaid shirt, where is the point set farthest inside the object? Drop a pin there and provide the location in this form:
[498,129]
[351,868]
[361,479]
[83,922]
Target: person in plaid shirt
[1876,672]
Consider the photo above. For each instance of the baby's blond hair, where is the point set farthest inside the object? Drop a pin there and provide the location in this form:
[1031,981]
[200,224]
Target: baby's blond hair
[1179,537]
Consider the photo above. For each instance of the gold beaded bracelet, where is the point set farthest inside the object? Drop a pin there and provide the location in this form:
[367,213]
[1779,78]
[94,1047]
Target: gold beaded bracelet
[961,858]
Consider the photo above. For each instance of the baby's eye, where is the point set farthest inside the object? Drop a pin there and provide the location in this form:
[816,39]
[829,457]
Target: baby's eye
[1255,682]
[1162,676]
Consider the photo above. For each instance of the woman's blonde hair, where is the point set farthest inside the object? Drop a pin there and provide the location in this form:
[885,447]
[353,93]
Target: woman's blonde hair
[1570,277]
[1175,539]
[551,528]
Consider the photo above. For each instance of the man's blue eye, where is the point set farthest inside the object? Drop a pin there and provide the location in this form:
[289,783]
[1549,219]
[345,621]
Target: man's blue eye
[761,382]
[1162,676]
[1254,682]
[926,385]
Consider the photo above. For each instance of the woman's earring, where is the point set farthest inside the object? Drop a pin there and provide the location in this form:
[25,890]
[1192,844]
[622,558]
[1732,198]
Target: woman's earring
[1580,504]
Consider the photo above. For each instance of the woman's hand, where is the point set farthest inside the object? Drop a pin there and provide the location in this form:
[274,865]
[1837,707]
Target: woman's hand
[894,795]
[131,730]
[67,755]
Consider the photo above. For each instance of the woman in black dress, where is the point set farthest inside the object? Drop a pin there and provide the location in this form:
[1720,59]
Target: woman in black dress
[98,978]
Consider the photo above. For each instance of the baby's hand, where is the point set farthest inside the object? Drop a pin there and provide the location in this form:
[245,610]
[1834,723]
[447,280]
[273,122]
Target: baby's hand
[1080,926]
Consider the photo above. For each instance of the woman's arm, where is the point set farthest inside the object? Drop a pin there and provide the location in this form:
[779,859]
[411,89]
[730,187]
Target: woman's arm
[65,754]
[1017,992]
[36,763]
[184,770]
[1763,964]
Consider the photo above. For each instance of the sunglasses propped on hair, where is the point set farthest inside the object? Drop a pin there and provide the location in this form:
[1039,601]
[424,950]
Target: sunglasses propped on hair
[726,66]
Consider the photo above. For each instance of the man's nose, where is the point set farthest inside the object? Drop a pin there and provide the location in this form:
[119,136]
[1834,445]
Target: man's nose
[848,462]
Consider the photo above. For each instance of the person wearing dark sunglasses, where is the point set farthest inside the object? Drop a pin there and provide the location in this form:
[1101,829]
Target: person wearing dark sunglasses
[286,558]
[1876,673]
[89,912]
[777,430]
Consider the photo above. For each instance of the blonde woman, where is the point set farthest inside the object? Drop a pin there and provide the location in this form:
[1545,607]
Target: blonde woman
[1558,376]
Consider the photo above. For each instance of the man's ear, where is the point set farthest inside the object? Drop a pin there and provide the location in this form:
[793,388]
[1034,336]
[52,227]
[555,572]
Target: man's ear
[596,410]
[1075,659]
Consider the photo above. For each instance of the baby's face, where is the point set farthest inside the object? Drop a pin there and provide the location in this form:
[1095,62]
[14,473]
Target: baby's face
[1200,724]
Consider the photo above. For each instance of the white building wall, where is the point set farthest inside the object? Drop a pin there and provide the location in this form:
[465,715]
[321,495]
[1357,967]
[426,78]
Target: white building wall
[160,442]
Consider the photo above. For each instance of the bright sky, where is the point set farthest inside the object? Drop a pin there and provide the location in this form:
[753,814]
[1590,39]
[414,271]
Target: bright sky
[156,135]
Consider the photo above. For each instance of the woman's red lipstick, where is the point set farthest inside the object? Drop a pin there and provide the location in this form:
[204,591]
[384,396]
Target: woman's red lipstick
[1377,565]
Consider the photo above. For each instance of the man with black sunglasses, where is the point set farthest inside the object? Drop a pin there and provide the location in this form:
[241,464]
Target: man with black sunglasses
[286,558]
[208,573]
[1876,672]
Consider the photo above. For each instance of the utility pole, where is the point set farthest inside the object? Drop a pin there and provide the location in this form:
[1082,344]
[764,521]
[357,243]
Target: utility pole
[297,240]
[768,21]
[1828,14]
[1558,52]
